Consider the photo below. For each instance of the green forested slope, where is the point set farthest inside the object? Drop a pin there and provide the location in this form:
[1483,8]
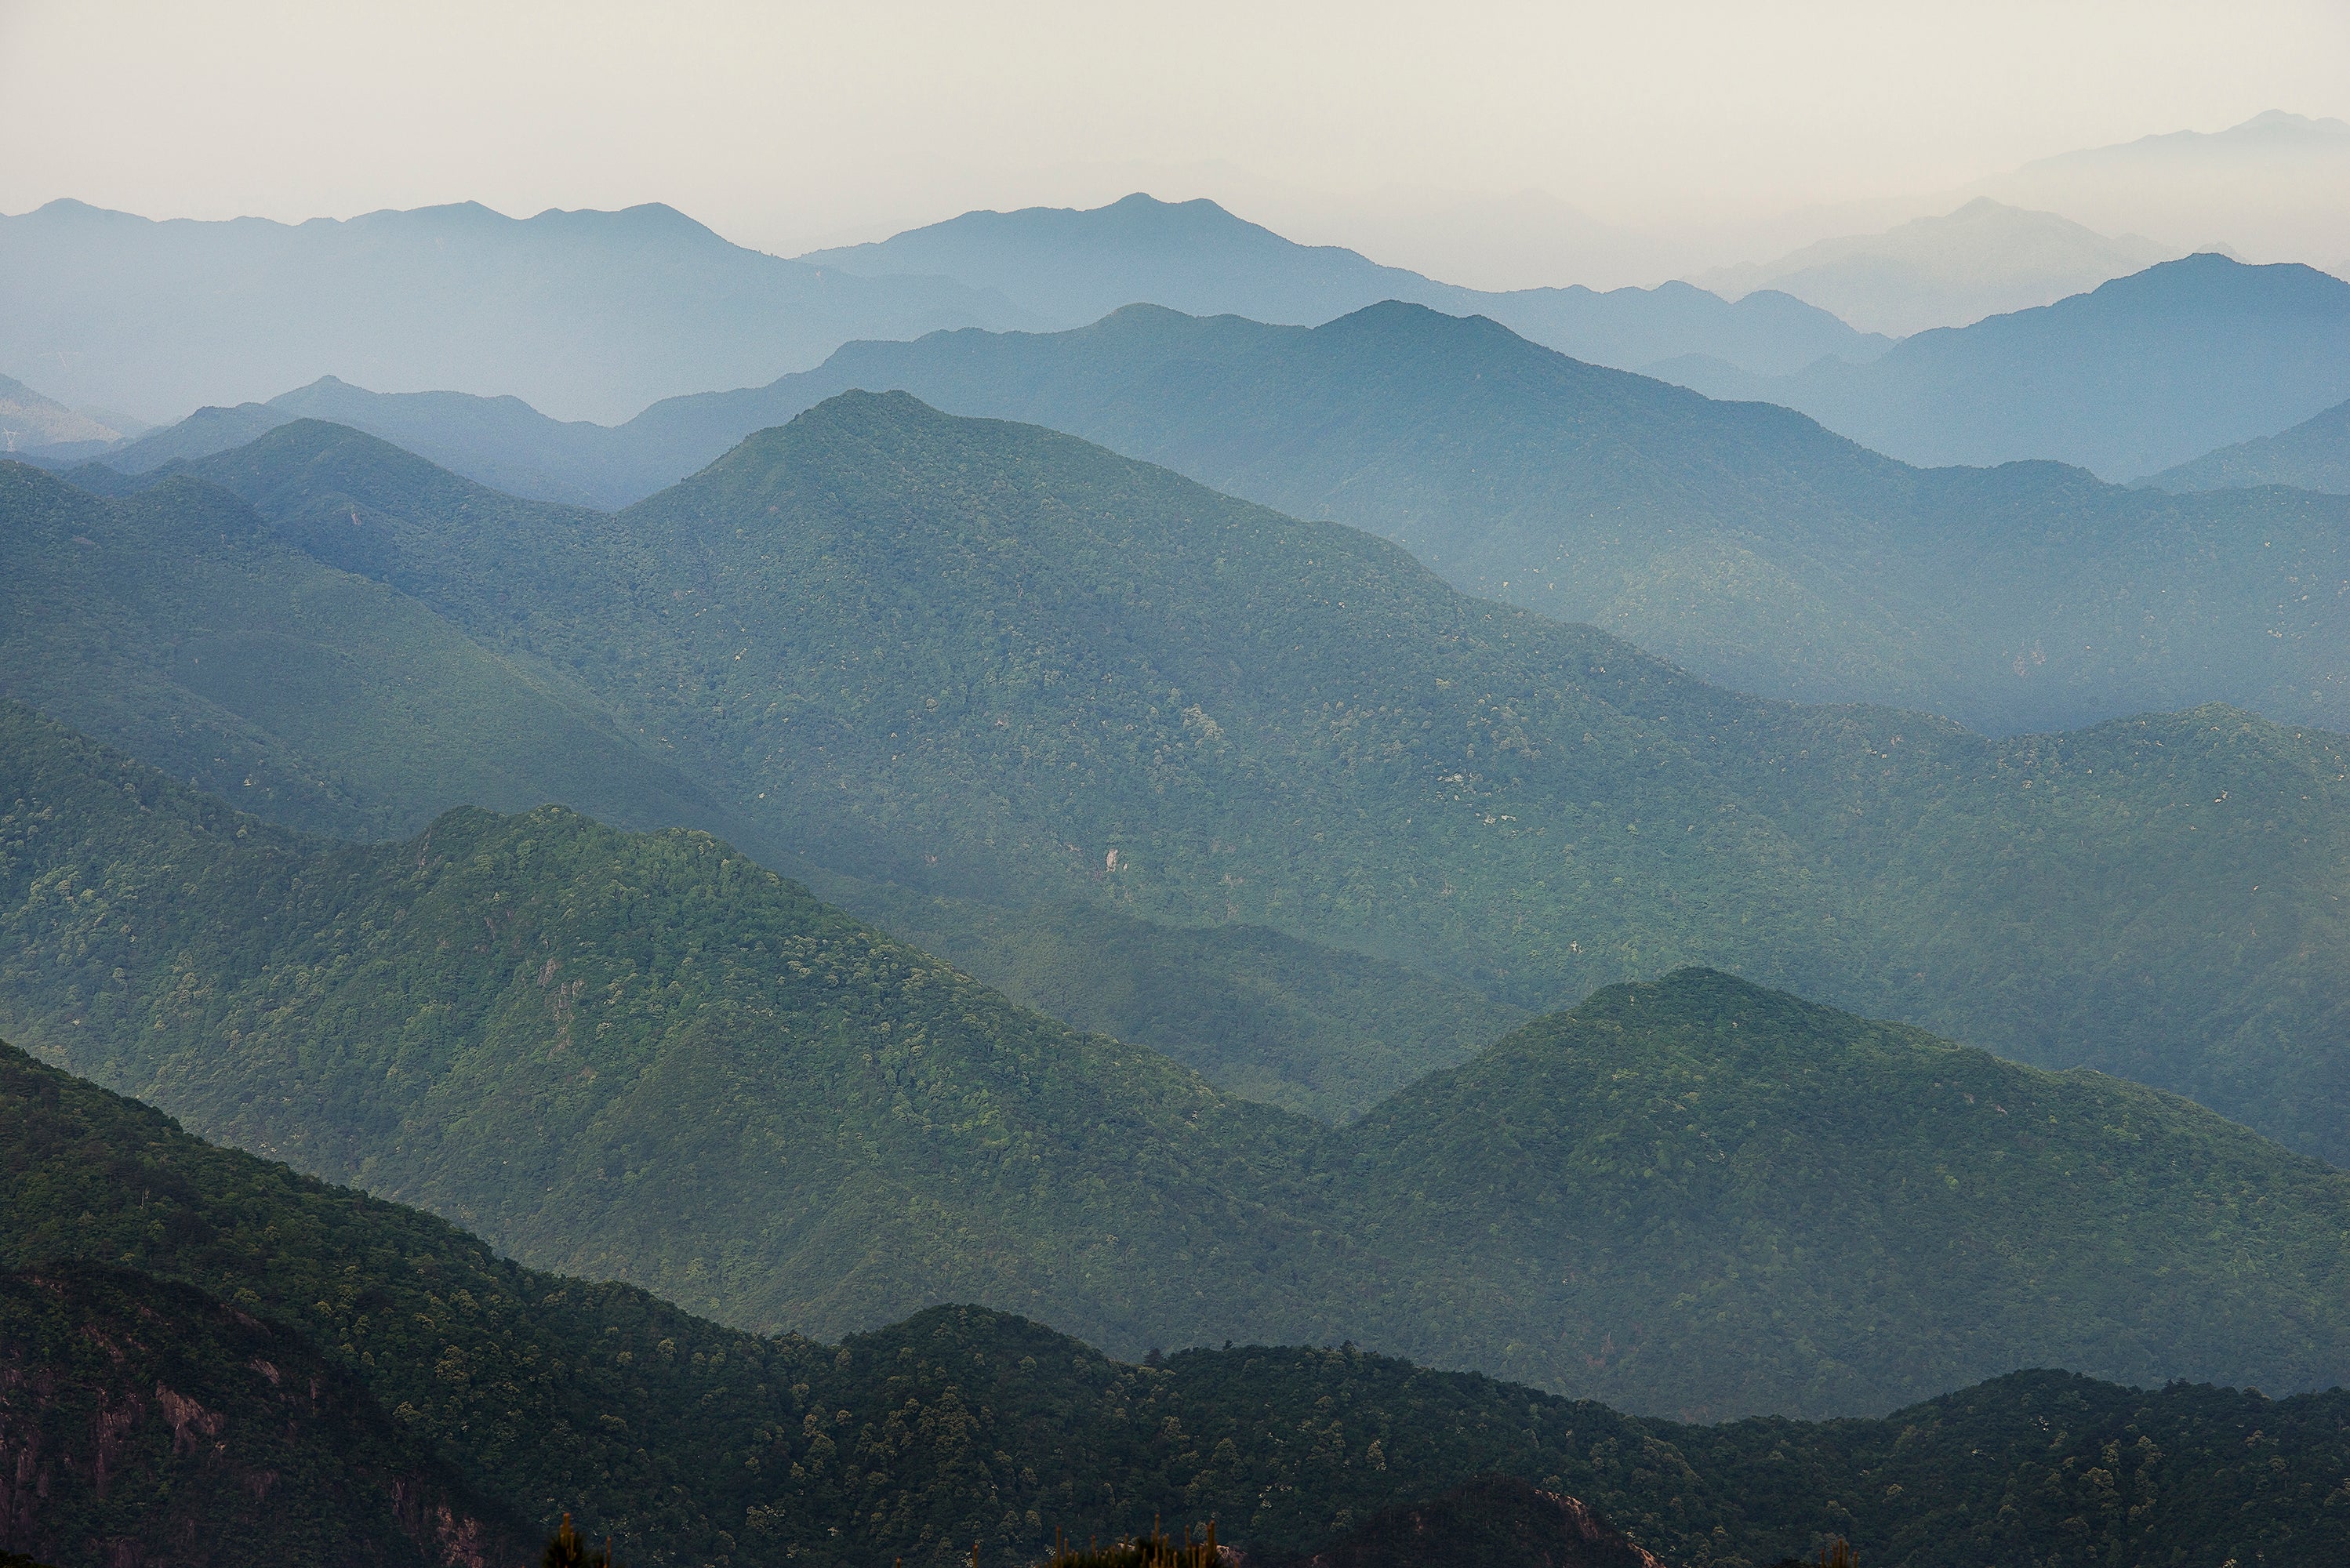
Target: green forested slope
[628,1056]
[175,623]
[1264,1016]
[976,659]
[694,1444]
[641,1056]
[1678,1186]
[142,1420]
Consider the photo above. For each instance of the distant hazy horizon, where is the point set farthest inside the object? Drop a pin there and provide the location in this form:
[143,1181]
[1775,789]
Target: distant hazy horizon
[1498,145]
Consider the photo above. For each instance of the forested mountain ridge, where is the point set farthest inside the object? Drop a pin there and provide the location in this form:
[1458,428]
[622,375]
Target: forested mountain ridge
[2312,455]
[690,1443]
[504,1019]
[641,1056]
[1742,540]
[976,658]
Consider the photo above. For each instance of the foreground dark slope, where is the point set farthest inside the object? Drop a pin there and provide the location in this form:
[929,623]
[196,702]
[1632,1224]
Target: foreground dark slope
[976,659]
[640,1056]
[693,1444]
[141,1421]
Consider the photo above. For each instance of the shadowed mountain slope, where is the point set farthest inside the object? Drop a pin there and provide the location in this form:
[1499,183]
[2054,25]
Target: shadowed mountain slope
[2312,455]
[640,1056]
[974,659]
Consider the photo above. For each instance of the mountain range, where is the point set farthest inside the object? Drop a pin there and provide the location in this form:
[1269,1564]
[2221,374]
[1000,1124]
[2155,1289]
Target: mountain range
[2138,375]
[1072,267]
[593,315]
[995,666]
[684,1443]
[1984,259]
[586,314]
[643,1057]
[1746,544]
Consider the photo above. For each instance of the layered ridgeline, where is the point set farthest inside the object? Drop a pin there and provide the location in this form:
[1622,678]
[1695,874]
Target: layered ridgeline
[690,1443]
[588,314]
[643,1057]
[141,1420]
[995,663]
[1071,267]
[2131,378]
[1744,542]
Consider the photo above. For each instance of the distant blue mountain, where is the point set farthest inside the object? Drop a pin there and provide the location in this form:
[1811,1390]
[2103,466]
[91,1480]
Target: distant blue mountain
[584,314]
[2139,375]
[1072,267]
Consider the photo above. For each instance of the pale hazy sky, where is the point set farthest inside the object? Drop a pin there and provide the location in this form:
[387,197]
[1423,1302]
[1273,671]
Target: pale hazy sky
[787,126]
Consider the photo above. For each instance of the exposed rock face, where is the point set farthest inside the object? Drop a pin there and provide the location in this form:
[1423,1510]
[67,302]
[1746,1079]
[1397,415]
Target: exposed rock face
[144,1425]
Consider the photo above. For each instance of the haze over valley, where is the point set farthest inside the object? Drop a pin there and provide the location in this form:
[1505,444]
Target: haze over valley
[1547,789]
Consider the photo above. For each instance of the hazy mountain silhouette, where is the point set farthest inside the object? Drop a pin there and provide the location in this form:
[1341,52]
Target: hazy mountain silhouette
[2312,455]
[1072,266]
[1982,260]
[582,313]
[2271,187]
[501,441]
[2141,373]
[30,421]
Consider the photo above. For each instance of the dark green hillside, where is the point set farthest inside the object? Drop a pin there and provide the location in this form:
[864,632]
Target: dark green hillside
[641,1056]
[174,623]
[2312,455]
[694,1444]
[1697,1182]
[142,1420]
[975,658]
